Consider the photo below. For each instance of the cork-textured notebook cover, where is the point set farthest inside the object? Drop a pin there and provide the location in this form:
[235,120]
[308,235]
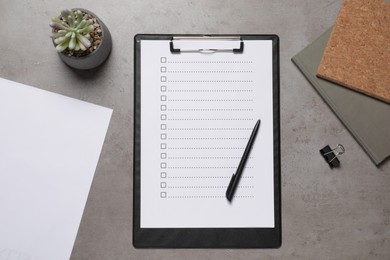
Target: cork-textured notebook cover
[365,117]
[358,52]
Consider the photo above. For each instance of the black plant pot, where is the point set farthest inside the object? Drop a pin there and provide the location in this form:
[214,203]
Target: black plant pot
[98,56]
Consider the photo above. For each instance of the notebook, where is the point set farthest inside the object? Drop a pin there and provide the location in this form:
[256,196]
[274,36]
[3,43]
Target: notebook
[357,55]
[198,106]
[367,119]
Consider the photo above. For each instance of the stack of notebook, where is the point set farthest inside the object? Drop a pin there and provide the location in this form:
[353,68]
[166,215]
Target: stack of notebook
[349,66]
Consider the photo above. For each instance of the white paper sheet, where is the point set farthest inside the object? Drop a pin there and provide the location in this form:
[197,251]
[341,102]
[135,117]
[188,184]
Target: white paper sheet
[197,113]
[49,149]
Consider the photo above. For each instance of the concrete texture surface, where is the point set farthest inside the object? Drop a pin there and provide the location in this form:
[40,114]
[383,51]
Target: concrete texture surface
[339,214]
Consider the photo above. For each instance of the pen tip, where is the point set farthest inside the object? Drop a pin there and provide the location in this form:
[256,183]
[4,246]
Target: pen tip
[229,198]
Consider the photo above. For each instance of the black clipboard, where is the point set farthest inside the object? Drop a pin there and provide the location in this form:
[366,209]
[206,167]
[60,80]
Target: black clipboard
[205,237]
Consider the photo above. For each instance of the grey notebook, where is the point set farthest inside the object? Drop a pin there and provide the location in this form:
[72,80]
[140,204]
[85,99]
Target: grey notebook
[366,118]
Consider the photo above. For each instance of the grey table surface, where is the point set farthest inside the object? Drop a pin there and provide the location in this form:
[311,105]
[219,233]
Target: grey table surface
[339,214]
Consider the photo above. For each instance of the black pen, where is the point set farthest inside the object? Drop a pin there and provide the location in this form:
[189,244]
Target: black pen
[237,176]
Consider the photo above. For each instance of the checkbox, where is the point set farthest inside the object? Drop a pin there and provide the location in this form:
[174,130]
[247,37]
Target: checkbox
[163,127]
[163,194]
[163,79]
[163,69]
[163,146]
[163,165]
[163,107]
[163,59]
[163,155]
[163,98]
[163,175]
[163,88]
[163,136]
[163,184]
[163,117]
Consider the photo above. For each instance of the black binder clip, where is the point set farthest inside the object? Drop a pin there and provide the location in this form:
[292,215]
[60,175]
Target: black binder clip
[330,156]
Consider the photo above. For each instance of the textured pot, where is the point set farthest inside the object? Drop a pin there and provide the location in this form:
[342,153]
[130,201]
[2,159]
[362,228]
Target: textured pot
[98,56]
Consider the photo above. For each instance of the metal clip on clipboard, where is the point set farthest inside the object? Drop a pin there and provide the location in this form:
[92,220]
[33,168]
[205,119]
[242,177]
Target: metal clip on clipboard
[207,38]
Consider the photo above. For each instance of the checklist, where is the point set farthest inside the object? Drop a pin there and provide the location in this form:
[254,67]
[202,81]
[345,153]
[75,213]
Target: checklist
[197,113]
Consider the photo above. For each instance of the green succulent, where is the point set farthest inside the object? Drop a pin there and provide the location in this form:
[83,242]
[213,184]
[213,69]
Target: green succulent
[72,31]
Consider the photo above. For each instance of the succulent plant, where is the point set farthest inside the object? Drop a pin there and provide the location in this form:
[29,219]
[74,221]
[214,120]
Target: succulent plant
[72,31]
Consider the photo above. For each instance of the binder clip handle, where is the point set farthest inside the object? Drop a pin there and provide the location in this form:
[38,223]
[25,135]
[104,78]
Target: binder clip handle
[330,155]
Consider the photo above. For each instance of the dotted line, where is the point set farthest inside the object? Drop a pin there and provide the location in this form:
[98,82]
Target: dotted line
[210,71]
[197,187]
[213,100]
[207,138]
[208,128]
[214,81]
[210,61]
[207,167]
[211,90]
[207,157]
[208,197]
[206,187]
[205,148]
[207,177]
[208,109]
[210,119]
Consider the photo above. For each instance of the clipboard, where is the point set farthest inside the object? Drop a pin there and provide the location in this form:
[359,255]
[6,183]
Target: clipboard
[163,67]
